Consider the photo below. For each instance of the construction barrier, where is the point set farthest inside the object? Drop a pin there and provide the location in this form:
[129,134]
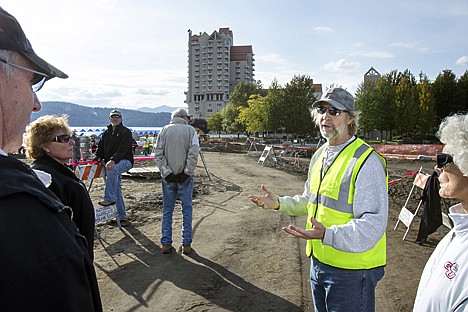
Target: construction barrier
[89,171]
[406,216]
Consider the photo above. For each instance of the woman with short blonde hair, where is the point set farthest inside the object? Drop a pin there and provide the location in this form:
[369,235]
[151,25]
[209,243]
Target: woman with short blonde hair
[49,143]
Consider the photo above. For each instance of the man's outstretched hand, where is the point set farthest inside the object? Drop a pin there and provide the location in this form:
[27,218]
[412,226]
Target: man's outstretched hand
[317,231]
[267,201]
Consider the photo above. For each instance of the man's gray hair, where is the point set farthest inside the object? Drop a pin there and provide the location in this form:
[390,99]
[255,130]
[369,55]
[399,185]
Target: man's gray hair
[352,127]
[453,132]
[9,56]
[180,112]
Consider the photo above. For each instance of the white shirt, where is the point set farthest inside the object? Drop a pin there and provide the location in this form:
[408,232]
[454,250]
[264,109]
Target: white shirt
[444,281]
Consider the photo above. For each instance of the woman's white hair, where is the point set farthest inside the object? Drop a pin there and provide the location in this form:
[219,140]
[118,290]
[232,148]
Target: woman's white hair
[453,132]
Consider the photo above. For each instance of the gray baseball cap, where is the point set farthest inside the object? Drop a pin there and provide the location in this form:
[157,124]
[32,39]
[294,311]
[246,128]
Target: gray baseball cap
[338,98]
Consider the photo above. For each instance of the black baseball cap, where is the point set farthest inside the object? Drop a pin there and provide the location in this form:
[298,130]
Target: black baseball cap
[12,37]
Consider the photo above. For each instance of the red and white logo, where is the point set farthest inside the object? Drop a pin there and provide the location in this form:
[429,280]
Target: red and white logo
[451,269]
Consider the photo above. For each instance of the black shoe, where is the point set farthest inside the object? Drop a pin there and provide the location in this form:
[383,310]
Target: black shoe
[186,249]
[106,202]
[124,223]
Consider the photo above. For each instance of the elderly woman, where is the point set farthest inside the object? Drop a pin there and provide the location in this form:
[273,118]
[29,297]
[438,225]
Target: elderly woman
[48,142]
[444,281]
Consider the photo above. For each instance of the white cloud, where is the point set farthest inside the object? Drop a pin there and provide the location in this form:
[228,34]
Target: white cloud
[407,45]
[415,45]
[142,91]
[459,9]
[462,61]
[323,30]
[341,65]
[274,58]
[375,54]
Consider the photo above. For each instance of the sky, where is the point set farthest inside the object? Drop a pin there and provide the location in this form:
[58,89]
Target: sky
[133,53]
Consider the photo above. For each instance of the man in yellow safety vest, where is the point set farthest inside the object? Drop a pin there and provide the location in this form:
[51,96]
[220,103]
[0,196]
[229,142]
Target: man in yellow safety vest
[346,201]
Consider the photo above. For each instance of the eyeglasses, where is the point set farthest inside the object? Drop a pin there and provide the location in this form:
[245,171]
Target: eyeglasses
[116,116]
[37,81]
[64,138]
[443,160]
[333,111]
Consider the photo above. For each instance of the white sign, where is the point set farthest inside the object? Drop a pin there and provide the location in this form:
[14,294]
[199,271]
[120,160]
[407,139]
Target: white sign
[105,213]
[406,216]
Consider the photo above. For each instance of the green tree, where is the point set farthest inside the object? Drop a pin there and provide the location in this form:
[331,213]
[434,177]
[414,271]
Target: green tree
[427,117]
[254,117]
[406,103]
[298,97]
[215,122]
[462,85]
[230,123]
[446,94]
[237,100]
[385,106]
[242,92]
[366,101]
[275,108]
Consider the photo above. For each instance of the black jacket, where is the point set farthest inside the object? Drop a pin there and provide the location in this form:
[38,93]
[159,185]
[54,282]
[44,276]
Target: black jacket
[431,217]
[71,192]
[44,262]
[115,144]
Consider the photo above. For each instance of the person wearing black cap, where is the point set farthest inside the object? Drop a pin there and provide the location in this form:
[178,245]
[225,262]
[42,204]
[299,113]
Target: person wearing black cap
[45,265]
[115,149]
[346,201]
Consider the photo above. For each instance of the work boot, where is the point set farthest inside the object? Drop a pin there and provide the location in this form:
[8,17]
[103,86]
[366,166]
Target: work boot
[186,249]
[166,248]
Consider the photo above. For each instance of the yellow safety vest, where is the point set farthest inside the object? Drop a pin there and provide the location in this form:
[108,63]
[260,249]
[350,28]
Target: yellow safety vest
[331,203]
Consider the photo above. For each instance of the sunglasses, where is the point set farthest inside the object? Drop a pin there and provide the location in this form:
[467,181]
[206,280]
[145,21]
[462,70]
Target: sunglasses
[64,138]
[333,111]
[38,79]
[443,160]
[116,116]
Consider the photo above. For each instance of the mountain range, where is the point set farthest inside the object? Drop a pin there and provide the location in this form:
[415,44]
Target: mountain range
[79,115]
[159,109]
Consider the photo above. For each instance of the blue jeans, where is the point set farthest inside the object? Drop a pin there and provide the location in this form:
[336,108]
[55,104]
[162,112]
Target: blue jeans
[335,289]
[113,191]
[171,192]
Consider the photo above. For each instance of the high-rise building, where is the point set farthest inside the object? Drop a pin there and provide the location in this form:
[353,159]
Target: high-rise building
[215,67]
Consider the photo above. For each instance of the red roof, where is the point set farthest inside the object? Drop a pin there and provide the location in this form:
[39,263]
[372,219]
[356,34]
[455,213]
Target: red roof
[239,53]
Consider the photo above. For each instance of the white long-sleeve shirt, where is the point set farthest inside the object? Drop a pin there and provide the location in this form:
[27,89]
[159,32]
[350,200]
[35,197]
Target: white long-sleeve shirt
[444,281]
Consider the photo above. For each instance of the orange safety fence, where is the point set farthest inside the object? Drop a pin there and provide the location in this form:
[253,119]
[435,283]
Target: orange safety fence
[408,175]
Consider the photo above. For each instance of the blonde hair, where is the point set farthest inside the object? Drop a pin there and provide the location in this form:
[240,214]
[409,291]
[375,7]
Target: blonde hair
[40,133]
[453,132]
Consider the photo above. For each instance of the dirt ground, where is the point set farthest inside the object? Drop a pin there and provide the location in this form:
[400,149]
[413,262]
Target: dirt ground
[241,260]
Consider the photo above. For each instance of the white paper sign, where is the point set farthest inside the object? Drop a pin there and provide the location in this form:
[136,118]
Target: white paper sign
[105,213]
